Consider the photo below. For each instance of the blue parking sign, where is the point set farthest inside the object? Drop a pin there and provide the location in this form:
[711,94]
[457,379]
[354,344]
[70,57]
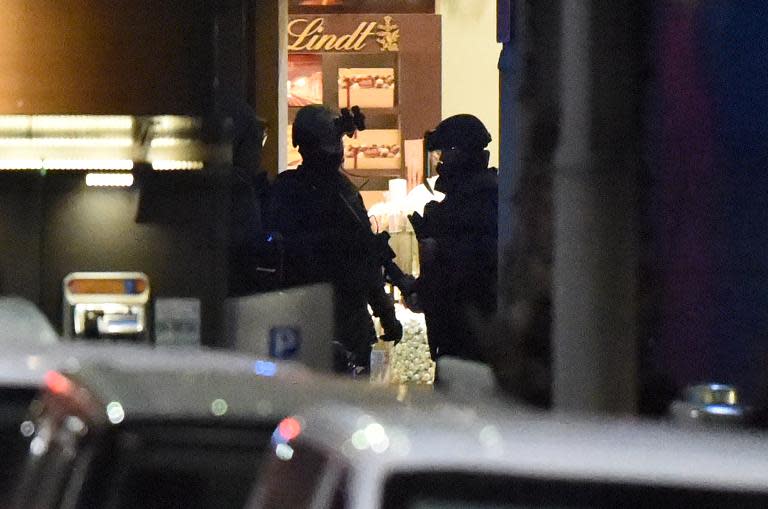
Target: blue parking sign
[284,342]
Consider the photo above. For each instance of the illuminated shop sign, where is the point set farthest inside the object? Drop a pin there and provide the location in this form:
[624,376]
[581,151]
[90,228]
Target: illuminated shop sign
[313,34]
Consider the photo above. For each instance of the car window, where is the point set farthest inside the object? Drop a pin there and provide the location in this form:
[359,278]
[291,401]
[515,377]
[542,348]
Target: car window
[13,444]
[152,487]
[291,480]
[164,467]
[340,492]
[54,448]
[459,490]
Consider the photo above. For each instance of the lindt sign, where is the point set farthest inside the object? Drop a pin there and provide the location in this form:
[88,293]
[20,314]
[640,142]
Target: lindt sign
[309,34]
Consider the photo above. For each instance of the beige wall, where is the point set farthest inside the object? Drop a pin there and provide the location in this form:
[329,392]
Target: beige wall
[270,82]
[470,58]
[136,57]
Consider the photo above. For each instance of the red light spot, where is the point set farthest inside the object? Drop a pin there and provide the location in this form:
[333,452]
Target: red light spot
[289,428]
[57,383]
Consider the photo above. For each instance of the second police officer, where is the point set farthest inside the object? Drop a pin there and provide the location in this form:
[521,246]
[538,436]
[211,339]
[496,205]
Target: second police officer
[458,239]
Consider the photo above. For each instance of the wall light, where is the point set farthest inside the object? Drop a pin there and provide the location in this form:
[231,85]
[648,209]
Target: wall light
[173,123]
[21,164]
[87,164]
[166,141]
[124,141]
[81,122]
[173,164]
[109,180]
[15,122]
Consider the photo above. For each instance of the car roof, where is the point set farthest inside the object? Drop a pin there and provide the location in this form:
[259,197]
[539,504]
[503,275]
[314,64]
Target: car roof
[520,442]
[156,384]
[21,322]
[24,365]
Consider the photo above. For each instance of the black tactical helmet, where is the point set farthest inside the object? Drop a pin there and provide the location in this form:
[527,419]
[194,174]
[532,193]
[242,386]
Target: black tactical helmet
[464,131]
[315,126]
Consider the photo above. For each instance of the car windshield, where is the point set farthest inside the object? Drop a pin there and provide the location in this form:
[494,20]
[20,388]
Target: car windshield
[291,477]
[158,467]
[464,490]
[151,466]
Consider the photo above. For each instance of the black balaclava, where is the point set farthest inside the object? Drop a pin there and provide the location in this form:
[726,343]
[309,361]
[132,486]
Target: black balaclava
[462,140]
[456,164]
[318,137]
[321,159]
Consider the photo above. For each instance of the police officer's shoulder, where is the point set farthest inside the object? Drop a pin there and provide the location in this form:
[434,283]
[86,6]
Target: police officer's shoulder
[284,186]
[284,178]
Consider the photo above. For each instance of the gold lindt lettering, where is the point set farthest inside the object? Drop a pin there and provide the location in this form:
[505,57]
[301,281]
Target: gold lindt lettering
[356,40]
[324,42]
[346,42]
[363,36]
[308,36]
[311,28]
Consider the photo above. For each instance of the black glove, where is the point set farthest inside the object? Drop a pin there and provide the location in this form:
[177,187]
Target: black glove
[393,329]
[393,274]
[380,247]
[418,224]
[412,302]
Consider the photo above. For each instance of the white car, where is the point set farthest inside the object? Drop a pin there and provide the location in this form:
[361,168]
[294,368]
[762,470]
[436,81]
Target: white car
[450,457]
[158,427]
[24,362]
[22,323]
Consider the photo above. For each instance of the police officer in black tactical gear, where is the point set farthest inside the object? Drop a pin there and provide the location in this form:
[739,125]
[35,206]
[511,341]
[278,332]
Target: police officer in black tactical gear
[458,238]
[248,188]
[327,236]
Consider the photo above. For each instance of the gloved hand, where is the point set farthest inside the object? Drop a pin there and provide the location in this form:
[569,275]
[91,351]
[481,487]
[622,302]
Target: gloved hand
[393,274]
[381,248]
[412,302]
[393,329]
[418,224]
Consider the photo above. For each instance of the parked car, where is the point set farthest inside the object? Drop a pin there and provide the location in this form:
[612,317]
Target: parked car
[22,323]
[163,428]
[25,362]
[24,330]
[23,365]
[451,457]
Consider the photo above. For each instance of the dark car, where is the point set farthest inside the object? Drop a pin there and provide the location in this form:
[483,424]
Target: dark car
[163,432]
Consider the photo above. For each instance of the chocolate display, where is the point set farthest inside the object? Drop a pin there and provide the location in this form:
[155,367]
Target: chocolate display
[375,81]
[372,87]
[373,149]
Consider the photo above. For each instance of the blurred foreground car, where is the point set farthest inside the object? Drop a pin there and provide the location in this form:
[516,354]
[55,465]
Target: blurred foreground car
[22,323]
[25,362]
[23,330]
[164,430]
[449,457]
[23,365]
